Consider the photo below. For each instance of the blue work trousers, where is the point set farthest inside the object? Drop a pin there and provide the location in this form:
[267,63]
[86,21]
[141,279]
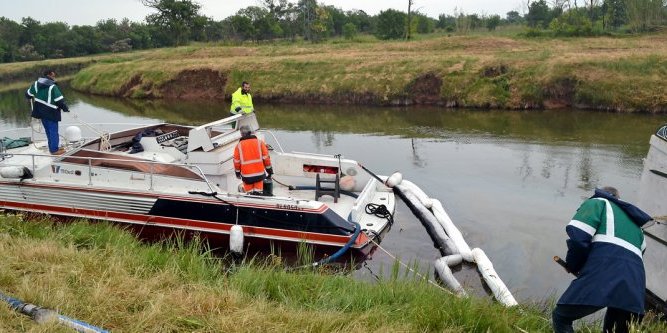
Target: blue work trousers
[51,129]
[615,320]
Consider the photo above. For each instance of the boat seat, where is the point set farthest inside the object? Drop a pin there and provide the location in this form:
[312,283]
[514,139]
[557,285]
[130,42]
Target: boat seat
[320,191]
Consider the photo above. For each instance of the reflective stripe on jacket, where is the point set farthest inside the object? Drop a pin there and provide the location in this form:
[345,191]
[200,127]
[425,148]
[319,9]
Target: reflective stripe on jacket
[251,158]
[239,99]
[605,247]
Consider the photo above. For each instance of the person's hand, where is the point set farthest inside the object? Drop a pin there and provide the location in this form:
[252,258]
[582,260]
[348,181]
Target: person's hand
[238,175]
[238,109]
[269,171]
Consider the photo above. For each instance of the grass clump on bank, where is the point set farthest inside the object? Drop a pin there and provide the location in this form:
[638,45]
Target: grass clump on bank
[104,276]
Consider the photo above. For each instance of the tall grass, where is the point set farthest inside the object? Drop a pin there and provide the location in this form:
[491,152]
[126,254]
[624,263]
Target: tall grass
[103,275]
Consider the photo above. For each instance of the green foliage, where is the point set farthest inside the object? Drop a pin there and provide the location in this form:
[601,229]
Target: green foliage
[391,24]
[539,14]
[177,18]
[493,22]
[645,15]
[350,31]
[573,23]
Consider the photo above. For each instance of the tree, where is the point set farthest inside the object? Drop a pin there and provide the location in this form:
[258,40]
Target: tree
[615,13]
[350,31]
[425,24]
[493,22]
[408,29]
[644,15]
[175,16]
[538,14]
[10,34]
[513,17]
[390,24]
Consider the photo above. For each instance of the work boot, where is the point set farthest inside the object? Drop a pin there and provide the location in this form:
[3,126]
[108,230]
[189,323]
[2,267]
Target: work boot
[60,151]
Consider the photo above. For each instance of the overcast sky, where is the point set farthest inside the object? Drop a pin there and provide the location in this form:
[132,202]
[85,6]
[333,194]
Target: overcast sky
[88,12]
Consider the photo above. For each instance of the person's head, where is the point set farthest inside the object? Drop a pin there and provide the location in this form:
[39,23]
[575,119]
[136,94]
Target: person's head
[612,191]
[50,73]
[245,87]
[245,131]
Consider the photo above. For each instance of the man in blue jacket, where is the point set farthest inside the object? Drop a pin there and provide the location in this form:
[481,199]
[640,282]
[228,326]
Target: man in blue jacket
[48,101]
[605,249]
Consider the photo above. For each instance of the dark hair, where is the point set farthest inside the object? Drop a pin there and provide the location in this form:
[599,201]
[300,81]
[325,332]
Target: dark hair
[244,83]
[48,71]
[611,190]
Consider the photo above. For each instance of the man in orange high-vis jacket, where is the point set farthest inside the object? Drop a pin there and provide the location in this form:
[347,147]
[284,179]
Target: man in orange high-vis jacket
[251,161]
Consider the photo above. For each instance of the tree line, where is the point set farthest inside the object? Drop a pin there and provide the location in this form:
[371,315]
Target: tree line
[179,22]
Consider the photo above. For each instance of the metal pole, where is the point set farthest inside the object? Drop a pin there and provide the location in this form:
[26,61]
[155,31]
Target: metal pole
[90,172]
[151,187]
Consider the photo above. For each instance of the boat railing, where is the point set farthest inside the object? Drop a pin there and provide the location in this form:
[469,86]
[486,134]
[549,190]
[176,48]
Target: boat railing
[275,139]
[90,162]
[662,132]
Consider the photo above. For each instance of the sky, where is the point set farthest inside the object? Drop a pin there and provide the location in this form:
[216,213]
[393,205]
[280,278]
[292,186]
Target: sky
[89,12]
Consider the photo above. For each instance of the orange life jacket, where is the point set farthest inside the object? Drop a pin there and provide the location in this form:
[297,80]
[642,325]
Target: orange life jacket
[251,158]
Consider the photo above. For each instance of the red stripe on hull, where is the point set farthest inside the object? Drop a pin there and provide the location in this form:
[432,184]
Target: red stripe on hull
[210,229]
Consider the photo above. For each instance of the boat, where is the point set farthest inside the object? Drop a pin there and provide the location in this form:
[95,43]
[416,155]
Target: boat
[165,179]
[653,200]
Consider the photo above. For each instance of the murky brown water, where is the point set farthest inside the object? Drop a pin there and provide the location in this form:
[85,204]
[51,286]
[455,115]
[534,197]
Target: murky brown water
[509,180]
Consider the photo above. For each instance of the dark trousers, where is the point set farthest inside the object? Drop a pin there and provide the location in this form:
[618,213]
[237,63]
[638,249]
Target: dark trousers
[615,320]
[51,129]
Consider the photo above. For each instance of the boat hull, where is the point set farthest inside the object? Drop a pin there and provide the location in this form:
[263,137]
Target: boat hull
[152,216]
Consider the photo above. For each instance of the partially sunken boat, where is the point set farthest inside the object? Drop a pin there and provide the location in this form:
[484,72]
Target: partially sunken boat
[653,200]
[183,181]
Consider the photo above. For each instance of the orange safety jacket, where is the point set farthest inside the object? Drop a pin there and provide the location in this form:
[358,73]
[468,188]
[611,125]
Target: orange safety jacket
[251,159]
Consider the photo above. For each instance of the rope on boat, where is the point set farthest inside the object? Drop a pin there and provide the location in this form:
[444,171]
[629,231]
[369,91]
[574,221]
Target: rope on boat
[43,315]
[449,240]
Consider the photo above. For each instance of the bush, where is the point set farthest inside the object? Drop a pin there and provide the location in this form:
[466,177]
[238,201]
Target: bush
[572,24]
[350,30]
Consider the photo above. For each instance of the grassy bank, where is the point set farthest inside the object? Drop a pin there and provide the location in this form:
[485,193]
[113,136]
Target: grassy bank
[102,275]
[608,73]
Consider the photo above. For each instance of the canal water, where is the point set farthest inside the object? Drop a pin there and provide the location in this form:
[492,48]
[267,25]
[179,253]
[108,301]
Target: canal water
[510,180]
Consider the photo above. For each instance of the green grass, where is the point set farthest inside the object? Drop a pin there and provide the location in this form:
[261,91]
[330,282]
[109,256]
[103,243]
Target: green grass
[102,275]
[340,71]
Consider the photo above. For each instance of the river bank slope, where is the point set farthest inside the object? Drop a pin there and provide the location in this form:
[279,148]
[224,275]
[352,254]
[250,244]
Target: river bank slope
[484,71]
[104,276]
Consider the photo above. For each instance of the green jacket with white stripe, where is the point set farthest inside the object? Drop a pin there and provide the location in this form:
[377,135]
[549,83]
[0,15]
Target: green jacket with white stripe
[48,99]
[605,248]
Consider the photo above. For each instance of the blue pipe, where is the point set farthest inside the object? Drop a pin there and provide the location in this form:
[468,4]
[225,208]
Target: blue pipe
[342,250]
[42,315]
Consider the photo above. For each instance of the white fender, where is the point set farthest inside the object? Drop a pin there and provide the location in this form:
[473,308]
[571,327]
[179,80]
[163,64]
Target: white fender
[236,239]
[452,231]
[446,276]
[12,172]
[348,183]
[499,289]
[419,193]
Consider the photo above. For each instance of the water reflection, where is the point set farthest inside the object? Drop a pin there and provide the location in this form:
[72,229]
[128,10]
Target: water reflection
[509,180]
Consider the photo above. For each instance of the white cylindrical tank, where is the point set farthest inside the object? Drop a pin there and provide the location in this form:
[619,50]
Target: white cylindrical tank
[236,239]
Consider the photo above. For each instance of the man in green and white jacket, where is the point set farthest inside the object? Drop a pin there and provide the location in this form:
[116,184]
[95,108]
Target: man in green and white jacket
[48,101]
[605,252]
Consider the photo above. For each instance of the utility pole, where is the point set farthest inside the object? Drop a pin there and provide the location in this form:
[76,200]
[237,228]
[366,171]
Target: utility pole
[409,27]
